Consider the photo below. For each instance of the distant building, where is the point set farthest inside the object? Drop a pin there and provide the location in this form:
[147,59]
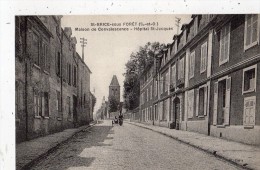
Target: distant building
[114,92]
[114,89]
[52,81]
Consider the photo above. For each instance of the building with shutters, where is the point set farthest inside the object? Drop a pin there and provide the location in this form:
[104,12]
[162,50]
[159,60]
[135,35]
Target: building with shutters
[147,111]
[207,78]
[52,81]
[235,95]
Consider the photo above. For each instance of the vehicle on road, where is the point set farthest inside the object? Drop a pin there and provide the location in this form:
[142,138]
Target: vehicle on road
[115,121]
[120,120]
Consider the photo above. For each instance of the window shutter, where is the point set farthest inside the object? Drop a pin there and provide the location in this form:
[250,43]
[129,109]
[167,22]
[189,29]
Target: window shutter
[43,105]
[248,30]
[197,102]
[206,56]
[39,105]
[228,41]
[254,28]
[227,108]
[221,46]
[56,62]
[35,102]
[215,107]
[249,111]
[205,100]
[226,44]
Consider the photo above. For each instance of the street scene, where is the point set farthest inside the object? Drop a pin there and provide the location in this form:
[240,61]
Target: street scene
[120,147]
[137,91]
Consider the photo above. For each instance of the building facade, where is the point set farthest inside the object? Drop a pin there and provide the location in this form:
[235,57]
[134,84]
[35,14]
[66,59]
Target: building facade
[207,78]
[52,81]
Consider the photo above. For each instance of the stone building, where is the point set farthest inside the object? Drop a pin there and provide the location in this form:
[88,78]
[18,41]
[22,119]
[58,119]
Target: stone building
[207,78]
[52,81]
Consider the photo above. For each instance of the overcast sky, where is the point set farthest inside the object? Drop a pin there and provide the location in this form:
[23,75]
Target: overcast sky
[107,52]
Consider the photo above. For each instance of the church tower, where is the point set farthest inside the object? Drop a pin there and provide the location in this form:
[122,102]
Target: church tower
[114,88]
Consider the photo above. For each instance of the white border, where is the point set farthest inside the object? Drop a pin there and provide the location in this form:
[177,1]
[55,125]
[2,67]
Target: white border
[10,8]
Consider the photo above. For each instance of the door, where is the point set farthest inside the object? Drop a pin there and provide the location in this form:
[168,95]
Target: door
[75,116]
[176,114]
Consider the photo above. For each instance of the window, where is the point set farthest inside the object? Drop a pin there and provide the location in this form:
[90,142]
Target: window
[155,88]
[190,103]
[69,73]
[249,79]
[173,80]
[181,69]
[37,104]
[58,101]
[35,49]
[251,31]
[155,112]
[192,64]
[151,91]
[164,110]
[201,101]
[45,55]
[203,57]
[166,82]
[143,116]
[41,104]
[166,56]
[151,113]
[249,111]
[147,93]
[161,84]
[45,104]
[224,44]
[85,101]
[69,107]
[75,76]
[58,64]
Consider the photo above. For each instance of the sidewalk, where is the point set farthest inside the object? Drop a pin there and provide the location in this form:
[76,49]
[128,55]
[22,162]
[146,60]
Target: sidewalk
[29,152]
[241,154]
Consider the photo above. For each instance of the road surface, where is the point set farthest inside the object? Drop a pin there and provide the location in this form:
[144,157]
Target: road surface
[127,147]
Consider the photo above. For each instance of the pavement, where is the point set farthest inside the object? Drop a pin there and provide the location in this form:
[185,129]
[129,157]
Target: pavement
[29,152]
[246,156]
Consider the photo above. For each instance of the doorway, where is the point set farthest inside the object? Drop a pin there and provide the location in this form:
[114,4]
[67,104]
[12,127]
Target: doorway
[176,113]
[75,116]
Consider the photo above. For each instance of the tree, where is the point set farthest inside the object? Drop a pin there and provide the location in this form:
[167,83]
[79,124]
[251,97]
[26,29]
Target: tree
[134,68]
[94,100]
[113,104]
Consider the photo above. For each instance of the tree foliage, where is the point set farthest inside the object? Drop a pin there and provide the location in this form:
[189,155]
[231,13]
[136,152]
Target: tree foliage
[94,100]
[134,68]
[113,104]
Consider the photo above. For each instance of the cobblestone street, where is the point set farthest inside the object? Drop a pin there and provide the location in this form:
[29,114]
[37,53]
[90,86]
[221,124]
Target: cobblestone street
[127,147]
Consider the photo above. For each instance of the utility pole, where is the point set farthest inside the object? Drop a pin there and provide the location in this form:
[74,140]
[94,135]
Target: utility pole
[83,42]
[177,23]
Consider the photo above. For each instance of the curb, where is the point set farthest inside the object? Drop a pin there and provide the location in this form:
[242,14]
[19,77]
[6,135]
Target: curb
[209,151]
[52,149]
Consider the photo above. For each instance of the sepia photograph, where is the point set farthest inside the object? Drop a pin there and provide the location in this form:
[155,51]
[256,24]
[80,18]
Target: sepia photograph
[133,90]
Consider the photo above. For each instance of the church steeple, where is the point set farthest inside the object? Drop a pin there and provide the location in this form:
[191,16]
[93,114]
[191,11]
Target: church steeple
[114,81]
[114,88]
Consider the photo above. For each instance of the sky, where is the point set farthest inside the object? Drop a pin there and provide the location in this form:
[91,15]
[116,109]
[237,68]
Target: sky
[107,52]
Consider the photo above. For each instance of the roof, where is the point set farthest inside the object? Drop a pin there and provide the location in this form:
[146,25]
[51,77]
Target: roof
[114,81]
